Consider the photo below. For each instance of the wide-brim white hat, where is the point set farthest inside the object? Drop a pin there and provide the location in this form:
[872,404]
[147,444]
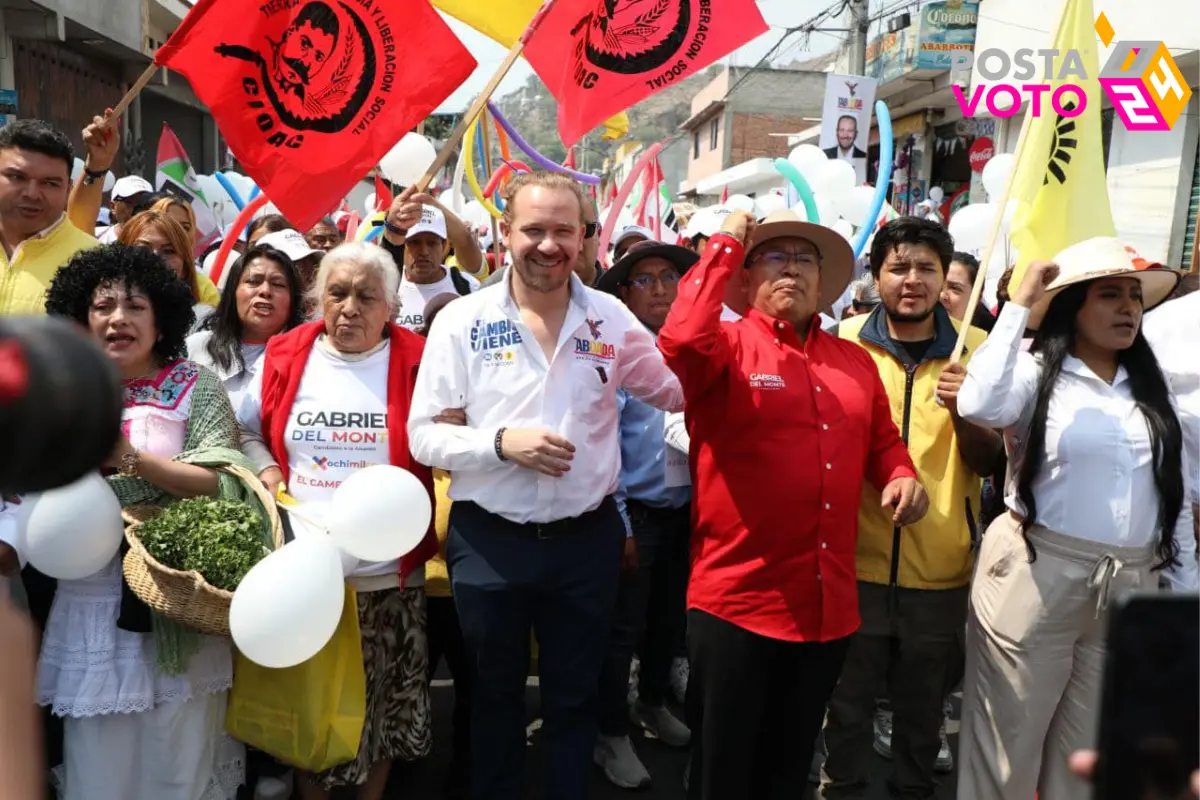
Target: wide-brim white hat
[1104,257]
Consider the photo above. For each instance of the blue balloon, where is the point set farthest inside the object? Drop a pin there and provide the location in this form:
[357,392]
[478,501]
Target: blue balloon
[883,180]
[231,190]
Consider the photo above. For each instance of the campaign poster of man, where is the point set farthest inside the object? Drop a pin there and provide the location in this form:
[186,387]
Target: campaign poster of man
[846,120]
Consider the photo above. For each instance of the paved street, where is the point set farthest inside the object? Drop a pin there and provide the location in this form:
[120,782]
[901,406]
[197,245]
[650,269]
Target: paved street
[665,764]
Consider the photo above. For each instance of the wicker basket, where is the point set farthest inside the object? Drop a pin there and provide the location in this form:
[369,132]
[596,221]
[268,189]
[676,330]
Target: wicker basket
[185,596]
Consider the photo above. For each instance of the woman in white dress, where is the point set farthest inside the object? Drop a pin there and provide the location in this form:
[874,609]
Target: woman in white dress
[143,699]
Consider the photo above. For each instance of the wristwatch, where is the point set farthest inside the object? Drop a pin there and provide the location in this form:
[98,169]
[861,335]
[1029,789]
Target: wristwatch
[91,176]
[130,462]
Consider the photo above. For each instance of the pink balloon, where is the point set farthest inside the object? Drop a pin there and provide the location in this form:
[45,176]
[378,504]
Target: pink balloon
[615,209]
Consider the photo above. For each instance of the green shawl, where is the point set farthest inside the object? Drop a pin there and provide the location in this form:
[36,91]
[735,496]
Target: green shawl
[211,441]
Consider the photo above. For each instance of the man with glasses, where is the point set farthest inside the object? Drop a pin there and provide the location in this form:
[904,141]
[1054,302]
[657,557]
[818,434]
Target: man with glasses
[654,496]
[787,422]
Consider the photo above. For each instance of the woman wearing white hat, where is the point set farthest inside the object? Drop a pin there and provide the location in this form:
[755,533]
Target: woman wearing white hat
[1094,508]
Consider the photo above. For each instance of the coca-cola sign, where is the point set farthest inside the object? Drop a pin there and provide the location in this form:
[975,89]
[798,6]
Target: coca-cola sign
[980,153]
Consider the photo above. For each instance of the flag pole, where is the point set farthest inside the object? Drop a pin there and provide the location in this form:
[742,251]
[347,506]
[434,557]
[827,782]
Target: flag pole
[487,169]
[998,219]
[468,118]
[134,90]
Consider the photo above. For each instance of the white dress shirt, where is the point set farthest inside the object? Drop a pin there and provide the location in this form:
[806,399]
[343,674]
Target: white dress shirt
[482,358]
[1097,482]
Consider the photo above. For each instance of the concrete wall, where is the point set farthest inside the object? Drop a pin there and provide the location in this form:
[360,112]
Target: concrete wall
[118,20]
[712,159]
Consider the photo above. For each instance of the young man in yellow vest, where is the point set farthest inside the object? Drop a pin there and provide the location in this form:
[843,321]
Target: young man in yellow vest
[35,178]
[913,581]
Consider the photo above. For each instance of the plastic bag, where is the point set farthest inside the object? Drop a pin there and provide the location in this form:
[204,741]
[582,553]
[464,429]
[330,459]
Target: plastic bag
[311,715]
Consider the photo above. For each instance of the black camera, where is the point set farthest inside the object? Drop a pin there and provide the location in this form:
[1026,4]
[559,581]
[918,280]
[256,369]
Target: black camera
[60,404]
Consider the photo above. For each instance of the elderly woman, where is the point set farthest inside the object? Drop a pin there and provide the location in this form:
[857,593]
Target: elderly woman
[332,397]
[144,699]
[158,231]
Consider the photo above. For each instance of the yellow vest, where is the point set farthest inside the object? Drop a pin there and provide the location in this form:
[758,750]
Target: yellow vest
[937,552]
[24,281]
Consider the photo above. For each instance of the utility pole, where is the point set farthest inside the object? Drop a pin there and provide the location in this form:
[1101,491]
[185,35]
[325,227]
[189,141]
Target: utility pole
[859,25]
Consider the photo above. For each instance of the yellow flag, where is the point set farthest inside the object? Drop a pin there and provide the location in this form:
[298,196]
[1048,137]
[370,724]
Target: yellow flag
[1058,182]
[504,21]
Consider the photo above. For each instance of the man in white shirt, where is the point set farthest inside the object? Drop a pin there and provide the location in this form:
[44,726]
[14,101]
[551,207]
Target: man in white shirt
[535,535]
[127,194]
[425,276]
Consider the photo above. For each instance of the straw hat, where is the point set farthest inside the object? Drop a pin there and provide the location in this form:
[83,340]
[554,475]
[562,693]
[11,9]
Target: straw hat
[837,259]
[1105,257]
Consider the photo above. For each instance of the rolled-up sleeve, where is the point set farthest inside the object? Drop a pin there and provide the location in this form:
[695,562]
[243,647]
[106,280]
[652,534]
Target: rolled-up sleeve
[644,373]
[1001,378]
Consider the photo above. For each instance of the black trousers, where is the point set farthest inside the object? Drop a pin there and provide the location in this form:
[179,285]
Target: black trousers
[755,706]
[561,582]
[650,611]
[911,642]
[446,641]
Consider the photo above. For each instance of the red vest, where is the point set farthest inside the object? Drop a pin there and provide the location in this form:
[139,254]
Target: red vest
[283,367]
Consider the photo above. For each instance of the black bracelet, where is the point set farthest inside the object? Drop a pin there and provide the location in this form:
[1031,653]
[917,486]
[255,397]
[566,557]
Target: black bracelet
[499,444]
[394,229]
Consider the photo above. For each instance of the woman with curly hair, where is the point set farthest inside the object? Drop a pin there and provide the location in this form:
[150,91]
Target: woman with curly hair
[158,231]
[1093,509]
[143,698]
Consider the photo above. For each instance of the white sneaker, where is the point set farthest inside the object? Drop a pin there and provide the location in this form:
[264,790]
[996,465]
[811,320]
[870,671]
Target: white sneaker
[622,767]
[945,759]
[272,789]
[882,741]
[635,668]
[663,724]
[679,678]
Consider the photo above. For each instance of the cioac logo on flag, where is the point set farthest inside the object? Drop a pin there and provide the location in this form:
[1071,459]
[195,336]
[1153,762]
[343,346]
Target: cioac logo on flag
[633,37]
[314,68]
[1141,79]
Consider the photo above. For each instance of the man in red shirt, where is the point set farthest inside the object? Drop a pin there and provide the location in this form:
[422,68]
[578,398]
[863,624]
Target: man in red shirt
[786,423]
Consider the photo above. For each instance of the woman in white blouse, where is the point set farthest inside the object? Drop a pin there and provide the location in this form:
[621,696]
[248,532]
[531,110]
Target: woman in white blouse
[1094,508]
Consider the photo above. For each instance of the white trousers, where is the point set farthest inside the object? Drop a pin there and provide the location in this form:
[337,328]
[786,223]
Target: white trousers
[1035,655]
[172,752]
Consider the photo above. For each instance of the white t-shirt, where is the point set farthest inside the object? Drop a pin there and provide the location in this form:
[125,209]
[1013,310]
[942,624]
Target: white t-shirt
[338,425]
[110,235]
[414,296]
[235,380]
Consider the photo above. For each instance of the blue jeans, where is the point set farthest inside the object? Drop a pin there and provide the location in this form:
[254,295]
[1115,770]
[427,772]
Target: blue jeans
[506,581]
[650,614]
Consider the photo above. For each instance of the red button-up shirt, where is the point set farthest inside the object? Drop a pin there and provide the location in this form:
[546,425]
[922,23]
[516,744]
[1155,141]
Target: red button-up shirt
[783,433]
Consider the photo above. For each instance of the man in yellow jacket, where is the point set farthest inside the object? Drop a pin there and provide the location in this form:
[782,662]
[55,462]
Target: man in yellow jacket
[913,581]
[35,177]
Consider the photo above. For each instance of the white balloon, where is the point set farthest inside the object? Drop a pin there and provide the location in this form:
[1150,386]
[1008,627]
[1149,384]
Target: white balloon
[379,513]
[288,605]
[969,226]
[808,158]
[845,229]
[407,161]
[73,531]
[309,525]
[936,194]
[76,169]
[109,182]
[855,204]
[768,204]
[741,202]
[826,210]
[834,178]
[243,184]
[995,175]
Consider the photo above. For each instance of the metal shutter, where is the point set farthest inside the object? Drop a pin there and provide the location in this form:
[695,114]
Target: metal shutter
[1189,234]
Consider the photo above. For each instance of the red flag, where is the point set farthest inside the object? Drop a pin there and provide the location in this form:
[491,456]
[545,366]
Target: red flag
[570,162]
[724,195]
[383,195]
[310,94]
[622,51]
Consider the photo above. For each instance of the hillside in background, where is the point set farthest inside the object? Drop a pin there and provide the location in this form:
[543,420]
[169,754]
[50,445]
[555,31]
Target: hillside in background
[533,111]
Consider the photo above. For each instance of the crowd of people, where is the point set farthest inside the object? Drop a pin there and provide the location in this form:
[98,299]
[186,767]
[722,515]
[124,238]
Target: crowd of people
[743,491]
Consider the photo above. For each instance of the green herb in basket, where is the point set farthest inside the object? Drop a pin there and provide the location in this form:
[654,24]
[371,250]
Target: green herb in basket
[220,539]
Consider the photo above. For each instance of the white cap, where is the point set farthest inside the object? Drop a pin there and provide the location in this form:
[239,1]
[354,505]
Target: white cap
[129,186]
[706,222]
[291,243]
[432,221]
[632,230]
